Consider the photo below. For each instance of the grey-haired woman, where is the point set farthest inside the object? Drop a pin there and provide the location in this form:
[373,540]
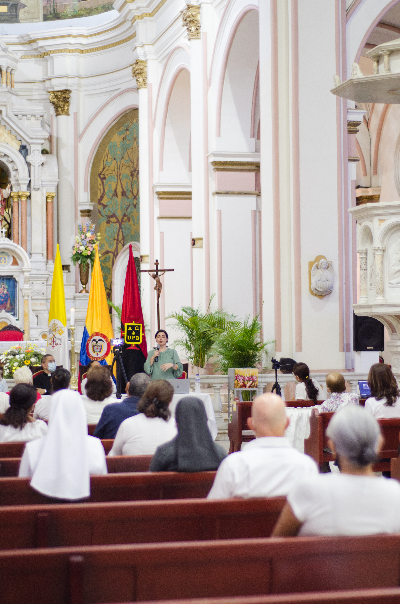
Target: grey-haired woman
[354,502]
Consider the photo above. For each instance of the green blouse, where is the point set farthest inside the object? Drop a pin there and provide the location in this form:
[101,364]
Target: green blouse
[167,356]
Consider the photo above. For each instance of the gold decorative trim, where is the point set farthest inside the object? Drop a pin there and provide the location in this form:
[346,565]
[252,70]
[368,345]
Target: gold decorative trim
[174,218]
[236,166]
[143,15]
[367,199]
[382,221]
[7,137]
[139,72]
[352,127]
[35,40]
[50,197]
[145,259]
[191,20]
[353,159]
[174,195]
[237,193]
[80,51]
[86,213]
[60,100]
[197,242]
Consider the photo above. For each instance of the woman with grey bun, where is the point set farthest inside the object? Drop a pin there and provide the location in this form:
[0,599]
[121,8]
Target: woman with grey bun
[354,502]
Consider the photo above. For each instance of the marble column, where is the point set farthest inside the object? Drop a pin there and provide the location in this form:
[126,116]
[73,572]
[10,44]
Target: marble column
[378,254]
[15,216]
[12,78]
[49,225]
[24,219]
[60,100]
[363,255]
[3,76]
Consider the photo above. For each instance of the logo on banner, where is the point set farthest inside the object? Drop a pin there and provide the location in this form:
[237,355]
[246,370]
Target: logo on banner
[55,335]
[133,333]
[98,346]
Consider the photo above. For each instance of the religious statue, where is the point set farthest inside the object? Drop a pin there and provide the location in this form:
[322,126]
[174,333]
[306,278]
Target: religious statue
[5,302]
[394,265]
[322,278]
[4,195]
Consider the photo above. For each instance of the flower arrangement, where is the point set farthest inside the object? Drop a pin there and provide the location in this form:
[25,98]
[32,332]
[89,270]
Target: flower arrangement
[18,356]
[83,250]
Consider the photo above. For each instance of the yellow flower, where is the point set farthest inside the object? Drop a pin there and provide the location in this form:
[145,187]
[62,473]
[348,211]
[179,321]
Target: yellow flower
[26,362]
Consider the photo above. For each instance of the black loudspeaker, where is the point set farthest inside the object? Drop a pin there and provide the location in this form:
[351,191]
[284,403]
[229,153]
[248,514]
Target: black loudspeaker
[367,334]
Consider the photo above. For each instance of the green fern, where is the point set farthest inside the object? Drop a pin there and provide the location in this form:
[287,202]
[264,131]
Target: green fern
[240,345]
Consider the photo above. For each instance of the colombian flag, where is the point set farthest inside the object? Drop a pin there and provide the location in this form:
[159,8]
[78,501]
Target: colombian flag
[57,338]
[98,330]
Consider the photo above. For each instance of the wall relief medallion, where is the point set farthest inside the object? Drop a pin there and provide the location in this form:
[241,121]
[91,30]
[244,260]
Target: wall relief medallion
[321,277]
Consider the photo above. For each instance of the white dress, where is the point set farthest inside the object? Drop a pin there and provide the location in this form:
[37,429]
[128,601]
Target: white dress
[141,435]
[94,409]
[30,431]
[380,410]
[301,392]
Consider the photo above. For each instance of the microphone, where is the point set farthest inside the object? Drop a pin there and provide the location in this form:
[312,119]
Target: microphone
[156,359]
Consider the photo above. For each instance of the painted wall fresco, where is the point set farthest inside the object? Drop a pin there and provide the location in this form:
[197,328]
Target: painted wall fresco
[32,11]
[114,186]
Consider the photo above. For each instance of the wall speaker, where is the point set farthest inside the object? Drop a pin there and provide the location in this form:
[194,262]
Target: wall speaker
[368,334]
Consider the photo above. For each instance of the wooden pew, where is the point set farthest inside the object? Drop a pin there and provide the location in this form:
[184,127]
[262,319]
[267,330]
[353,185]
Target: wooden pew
[9,466]
[315,444]
[91,429]
[387,595]
[139,486]
[16,449]
[199,569]
[240,417]
[61,525]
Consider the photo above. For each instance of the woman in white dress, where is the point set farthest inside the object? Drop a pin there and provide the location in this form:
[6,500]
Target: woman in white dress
[99,392]
[385,400]
[306,388]
[354,502]
[61,463]
[17,423]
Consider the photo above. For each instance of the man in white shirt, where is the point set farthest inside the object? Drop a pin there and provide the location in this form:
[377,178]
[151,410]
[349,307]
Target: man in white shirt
[268,466]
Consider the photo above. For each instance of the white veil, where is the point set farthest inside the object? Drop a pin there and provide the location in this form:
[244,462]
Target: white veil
[63,467]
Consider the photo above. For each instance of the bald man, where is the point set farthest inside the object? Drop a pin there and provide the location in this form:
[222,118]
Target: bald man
[268,466]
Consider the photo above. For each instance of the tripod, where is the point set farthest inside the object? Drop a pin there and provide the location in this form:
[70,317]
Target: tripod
[120,369]
[276,386]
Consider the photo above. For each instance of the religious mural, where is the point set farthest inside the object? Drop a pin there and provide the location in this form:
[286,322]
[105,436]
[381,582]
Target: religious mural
[9,295]
[114,184]
[32,11]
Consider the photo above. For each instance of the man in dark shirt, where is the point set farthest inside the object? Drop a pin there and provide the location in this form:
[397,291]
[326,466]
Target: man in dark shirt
[42,378]
[115,413]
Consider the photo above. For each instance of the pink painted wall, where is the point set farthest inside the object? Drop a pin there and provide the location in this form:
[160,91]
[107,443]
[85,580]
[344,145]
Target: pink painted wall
[235,181]
[175,207]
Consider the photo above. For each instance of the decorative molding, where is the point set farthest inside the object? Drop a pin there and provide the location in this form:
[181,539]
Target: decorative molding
[191,20]
[237,193]
[139,72]
[145,259]
[180,195]
[174,218]
[361,199]
[60,99]
[9,139]
[86,213]
[236,166]
[353,159]
[36,159]
[352,126]
[80,51]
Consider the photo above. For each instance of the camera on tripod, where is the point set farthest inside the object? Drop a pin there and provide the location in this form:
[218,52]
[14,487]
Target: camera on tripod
[117,343]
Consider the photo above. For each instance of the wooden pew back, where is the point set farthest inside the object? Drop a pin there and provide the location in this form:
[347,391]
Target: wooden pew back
[139,486]
[200,569]
[61,525]
[17,449]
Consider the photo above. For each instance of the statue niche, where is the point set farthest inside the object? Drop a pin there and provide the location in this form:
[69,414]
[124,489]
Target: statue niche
[5,202]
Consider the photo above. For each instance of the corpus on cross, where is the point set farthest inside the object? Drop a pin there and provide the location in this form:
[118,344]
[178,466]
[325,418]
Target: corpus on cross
[156,273]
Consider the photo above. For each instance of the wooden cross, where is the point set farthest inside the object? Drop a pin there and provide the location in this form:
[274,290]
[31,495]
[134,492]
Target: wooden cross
[156,274]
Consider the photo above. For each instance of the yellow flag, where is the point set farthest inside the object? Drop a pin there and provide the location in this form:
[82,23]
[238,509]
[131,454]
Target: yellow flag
[57,338]
[98,320]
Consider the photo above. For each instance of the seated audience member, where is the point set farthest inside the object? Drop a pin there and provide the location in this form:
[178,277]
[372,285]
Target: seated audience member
[84,377]
[306,388]
[114,414]
[268,466]
[192,449]
[61,463]
[355,502]
[23,375]
[338,397]
[151,427]
[17,423]
[385,399]
[60,380]
[42,378]
[98,392]
[4,402]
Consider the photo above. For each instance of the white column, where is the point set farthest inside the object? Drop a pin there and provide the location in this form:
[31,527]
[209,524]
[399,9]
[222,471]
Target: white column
[66,204]
[363,255]
[378,252]
[38,207]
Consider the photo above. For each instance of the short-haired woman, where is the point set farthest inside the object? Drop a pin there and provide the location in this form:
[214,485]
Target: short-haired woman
[338,397]
[163,363]
[98,392]
[17,423]
[306,388]
[60,380]
[385,399]
[354,502]
[151,427]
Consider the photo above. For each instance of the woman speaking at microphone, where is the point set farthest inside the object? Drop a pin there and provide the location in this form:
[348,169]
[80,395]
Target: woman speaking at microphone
[163,363]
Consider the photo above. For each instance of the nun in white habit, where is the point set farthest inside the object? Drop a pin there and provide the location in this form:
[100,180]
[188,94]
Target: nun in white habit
[61,462]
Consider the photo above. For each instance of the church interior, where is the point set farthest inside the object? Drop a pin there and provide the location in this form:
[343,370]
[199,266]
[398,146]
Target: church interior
[214,139]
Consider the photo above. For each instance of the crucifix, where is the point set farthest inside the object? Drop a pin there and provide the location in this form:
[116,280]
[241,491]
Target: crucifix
[156,273]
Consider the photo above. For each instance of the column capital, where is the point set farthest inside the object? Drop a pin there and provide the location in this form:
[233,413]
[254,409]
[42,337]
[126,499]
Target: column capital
[14,195]
[191,20]
[60,100]
[50,197]
[23,195]
[139,72]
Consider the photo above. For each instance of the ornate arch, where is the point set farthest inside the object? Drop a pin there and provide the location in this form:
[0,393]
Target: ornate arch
[16,165]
